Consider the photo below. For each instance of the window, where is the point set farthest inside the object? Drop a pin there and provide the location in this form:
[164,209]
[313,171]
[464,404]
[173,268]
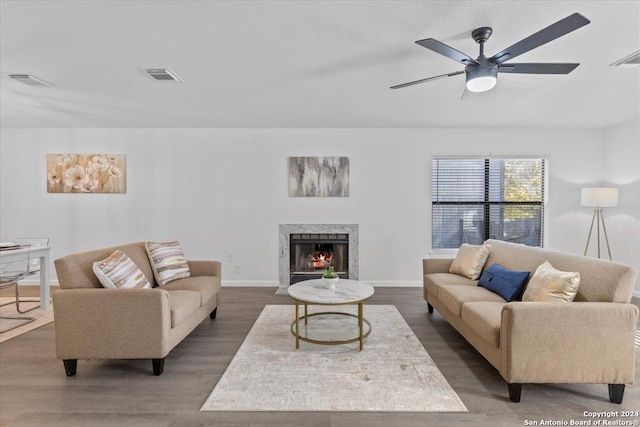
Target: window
[474,199]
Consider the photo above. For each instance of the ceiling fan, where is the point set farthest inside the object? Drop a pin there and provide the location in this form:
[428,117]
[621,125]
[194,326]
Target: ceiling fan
[482,72]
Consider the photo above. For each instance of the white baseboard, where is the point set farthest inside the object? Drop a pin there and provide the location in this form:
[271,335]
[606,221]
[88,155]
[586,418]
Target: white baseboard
[251,283]
[36,282]
[239,283]
[393,284]
[275,283]
[272,283]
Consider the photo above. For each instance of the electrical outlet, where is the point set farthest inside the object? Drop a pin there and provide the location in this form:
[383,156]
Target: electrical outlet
[229,257]
[236,268]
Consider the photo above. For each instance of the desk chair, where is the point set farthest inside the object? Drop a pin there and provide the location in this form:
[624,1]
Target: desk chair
[10,273]
[34,267]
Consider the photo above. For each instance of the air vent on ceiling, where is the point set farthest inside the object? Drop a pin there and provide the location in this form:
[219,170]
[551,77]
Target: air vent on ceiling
[29,80]
[162,74]
[632,60]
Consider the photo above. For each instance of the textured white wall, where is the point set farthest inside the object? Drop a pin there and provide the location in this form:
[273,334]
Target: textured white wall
[224,191]
[622,170]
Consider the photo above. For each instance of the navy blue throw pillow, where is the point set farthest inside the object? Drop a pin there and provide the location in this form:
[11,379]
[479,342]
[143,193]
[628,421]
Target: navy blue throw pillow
[506,283]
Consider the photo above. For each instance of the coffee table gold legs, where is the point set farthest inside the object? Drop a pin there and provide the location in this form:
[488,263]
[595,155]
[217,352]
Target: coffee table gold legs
[298,323]
[360,325]
[360,337]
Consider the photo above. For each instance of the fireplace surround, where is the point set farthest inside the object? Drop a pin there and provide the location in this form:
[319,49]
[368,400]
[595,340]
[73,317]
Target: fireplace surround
[337,234]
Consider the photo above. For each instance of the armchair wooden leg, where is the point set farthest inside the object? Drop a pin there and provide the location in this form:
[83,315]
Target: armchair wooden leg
[70,366]
[213,314]
[515,389]
[158,366]
[430,308]
[616,392]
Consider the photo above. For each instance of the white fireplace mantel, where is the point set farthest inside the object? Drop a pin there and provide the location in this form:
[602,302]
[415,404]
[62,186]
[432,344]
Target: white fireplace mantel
[287,229]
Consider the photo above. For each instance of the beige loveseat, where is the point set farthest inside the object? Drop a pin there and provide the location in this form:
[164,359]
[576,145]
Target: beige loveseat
[92,322]
[590,340]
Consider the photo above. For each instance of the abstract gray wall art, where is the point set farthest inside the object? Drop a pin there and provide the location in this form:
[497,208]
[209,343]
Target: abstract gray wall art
[319,176]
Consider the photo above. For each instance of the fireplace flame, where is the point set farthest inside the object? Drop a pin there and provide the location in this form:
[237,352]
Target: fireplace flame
[320,260]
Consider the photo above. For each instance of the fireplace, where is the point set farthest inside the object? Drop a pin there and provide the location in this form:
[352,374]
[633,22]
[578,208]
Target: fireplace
[310,254]
[307,249]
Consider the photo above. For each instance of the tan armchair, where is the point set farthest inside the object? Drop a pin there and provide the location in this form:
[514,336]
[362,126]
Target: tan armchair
[92,322]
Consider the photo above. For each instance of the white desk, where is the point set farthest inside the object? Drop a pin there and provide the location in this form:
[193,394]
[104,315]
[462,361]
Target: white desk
[43,254]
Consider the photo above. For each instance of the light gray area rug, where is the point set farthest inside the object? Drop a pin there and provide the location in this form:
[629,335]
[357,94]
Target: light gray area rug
[393,373]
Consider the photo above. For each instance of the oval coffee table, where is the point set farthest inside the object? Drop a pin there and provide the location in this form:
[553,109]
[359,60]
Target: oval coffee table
[317,293]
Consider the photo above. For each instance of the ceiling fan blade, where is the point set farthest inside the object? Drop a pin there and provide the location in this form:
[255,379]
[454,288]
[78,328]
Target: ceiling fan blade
[428,79]
[552,32]
[522,68]
[448,51]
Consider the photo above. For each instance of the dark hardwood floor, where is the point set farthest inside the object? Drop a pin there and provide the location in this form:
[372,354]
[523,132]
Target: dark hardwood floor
[34,390]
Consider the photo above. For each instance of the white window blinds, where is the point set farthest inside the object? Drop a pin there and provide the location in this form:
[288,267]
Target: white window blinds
[474,199]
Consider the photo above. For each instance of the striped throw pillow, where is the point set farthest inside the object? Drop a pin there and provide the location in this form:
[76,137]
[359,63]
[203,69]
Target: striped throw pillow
[119,271]
[167,261]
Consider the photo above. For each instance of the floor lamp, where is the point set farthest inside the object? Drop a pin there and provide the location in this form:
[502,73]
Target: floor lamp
[599,198]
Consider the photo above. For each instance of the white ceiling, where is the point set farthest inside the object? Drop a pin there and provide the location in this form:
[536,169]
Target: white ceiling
[302,64]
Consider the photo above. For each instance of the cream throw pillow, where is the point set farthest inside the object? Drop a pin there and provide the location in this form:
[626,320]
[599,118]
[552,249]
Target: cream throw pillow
[551,285]
[470,260]
[119,271]
[167,261]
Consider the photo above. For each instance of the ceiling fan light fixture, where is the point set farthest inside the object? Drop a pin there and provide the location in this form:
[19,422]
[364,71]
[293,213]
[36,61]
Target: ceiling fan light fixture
[482,79]
[482,72]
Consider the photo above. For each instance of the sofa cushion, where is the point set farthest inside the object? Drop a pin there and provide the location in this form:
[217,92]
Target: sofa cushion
[433,281]
[454,296]
[119,271]
[600,280]
[470,260]
[206,286]
[506,283]
[167,261]
[552,285]
[182,305]
[484,318]
[76,270]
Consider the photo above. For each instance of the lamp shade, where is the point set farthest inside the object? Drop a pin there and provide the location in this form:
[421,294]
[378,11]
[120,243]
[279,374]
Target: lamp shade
[603,197]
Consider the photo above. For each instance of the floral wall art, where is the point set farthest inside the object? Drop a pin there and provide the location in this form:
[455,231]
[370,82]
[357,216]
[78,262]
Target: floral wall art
[86,173]
[319,176]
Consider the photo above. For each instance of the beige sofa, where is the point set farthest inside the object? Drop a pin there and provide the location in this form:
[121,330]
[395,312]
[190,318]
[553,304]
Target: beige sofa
[590,340]
[92,322]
